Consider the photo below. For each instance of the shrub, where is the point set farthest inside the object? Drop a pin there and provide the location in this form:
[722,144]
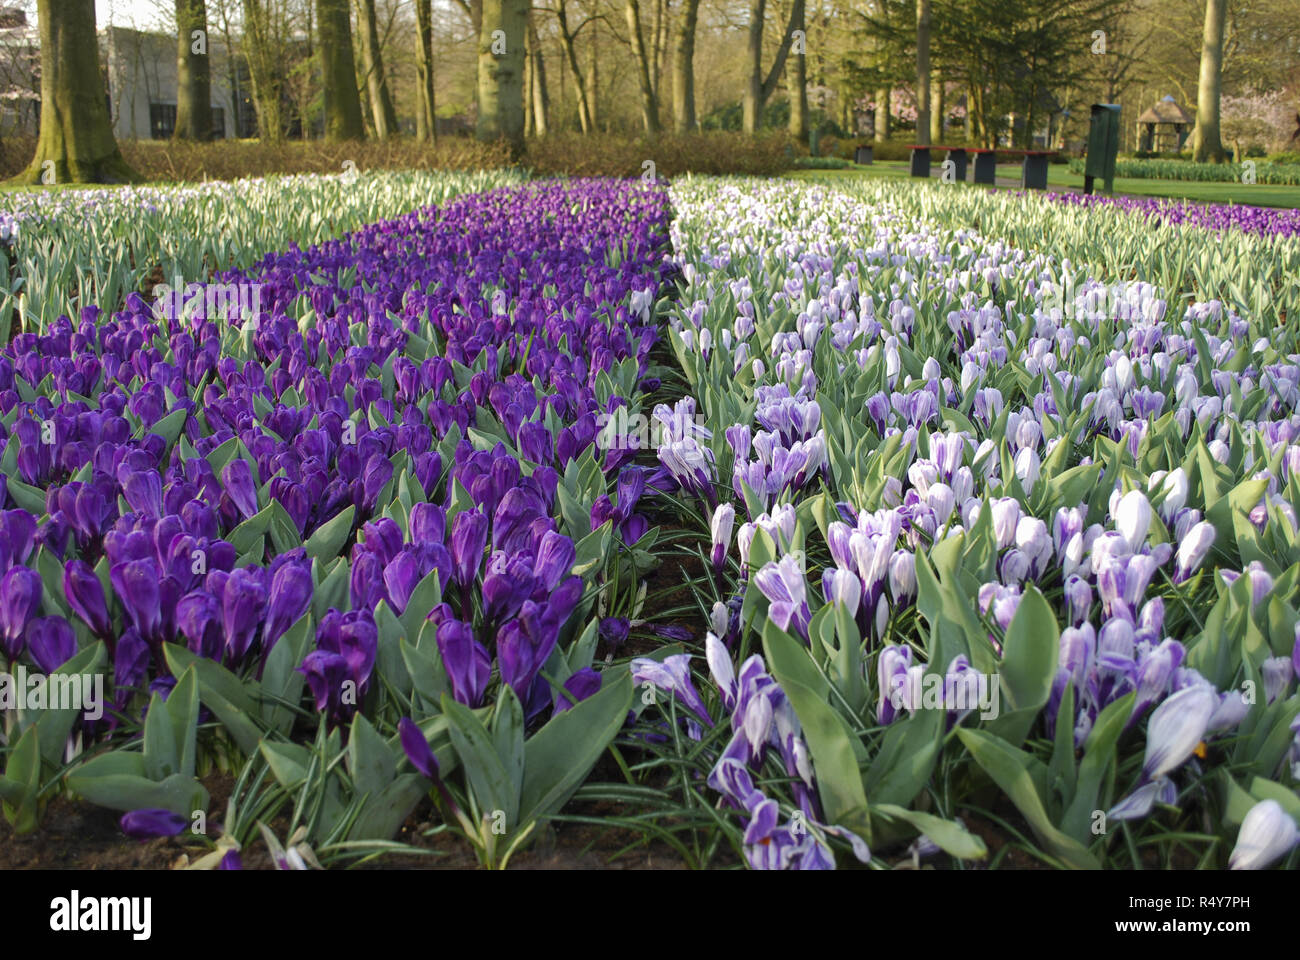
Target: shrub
[821,163]
[559,154]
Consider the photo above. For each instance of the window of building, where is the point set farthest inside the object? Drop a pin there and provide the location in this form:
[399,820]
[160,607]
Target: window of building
[162,120]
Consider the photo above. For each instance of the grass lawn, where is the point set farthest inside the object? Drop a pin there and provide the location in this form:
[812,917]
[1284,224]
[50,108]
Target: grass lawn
[1259,194]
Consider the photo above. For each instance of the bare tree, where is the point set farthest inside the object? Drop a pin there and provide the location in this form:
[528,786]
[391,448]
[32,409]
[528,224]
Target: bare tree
[759,88]
[372,62]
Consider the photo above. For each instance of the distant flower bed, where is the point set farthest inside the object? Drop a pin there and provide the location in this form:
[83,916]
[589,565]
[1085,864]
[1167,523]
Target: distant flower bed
[1261,221]
[1264,171]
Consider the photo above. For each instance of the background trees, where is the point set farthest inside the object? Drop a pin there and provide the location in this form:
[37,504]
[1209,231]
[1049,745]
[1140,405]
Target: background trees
[994,71]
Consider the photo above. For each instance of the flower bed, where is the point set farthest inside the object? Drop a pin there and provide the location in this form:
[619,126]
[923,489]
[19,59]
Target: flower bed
[986,508]
[383,485]
[63,250]
[1011,532]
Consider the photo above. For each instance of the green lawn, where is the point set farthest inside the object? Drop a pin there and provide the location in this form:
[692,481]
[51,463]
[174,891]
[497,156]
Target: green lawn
[1259,194]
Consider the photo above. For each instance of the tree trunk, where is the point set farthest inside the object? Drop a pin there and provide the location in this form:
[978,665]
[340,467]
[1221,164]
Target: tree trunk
[372,62]
[684,68]
[541,101]
[936,108]
[343,118]
[501,72]
[796,76]
[759,89]
[593,88]
[649,106]
[530,129]
[657,49]
[426,123]
[1208,144]
[751,108]
[76,143]
[571,55]
[262,71]
[923,71]
[193,73]
[882,113]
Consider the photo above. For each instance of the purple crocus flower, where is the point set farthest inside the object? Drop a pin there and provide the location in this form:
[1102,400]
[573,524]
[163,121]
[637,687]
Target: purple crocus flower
[581,685]
[85,595]
[20,599]
[469,534]
[243,604]
[417,748]
[674,676]
[291,593]
[783,584]
[231,861]
[891,670]
[237,478]
[51,642]
[152,823]
[466,661]
[138,584]
[325,672]
[1176,727]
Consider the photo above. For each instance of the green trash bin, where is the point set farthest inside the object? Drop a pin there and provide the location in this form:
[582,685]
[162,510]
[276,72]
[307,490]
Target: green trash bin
[1103,145]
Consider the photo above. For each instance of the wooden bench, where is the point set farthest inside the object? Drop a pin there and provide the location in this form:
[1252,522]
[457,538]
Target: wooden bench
[1033,170]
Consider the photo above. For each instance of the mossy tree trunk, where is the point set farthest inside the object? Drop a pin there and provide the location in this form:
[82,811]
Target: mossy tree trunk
[501,71]
[76,143]
[426,124]
[684,68]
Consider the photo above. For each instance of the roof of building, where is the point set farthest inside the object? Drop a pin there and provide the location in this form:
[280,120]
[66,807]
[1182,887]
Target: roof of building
[1166,111]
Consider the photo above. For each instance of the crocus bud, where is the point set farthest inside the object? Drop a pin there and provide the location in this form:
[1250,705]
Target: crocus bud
[719,618]
[1267,833]
[1006,514]
[902,576]
[1276,672]
[724,519]
[1192,550]
[1078,599]
[1155,673]
[1027,466]
[1175,488]
[842,587]
[891,671]
[1133,518]
[1176,727]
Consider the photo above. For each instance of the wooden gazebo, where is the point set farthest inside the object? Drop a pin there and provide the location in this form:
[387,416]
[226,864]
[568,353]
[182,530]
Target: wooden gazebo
[1164,127]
